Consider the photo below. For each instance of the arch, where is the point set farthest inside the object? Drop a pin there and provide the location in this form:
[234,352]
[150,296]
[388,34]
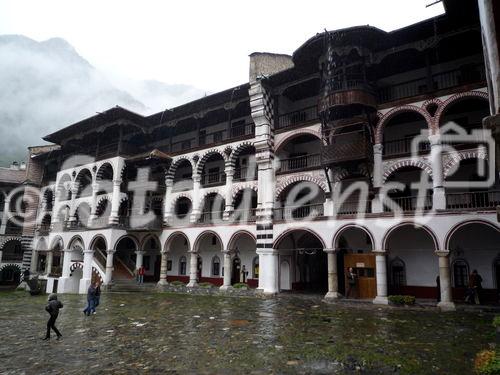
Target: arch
[234,238]
[211,192]
[464,223]
[13,265]
[170,238]
[453,100]
[238,188]
[41,245]
[234,155]
[276,242]
[103,169]
[64,185]
[173,168]
[206,155]
[423,165]
[295,134]
[456,158]
[5,240]
[179,196]
[379,129]
[83,180]
[415,225]
[127,236]
[298,178]
[76,242]
[97,238]
[342,229]
[203,234]
[149,237]
[57,240]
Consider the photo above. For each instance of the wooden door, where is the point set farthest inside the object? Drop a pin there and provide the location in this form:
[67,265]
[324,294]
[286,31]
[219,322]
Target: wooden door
[364,267]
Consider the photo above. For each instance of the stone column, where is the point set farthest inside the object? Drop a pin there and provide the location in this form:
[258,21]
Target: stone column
[227,270]
[1,253]
[438,195]
[195,213]
[62,286]
[93,206]
[88,257]
[193,269]
[34,261]
[229,171]
[378,172]
[5,214]
[115,203]
[167,206]
[139,260]
[50,261]
[381,272]
[72,211]
[268,271]
[108,277]
[333,282]
[163,268]
[446,303]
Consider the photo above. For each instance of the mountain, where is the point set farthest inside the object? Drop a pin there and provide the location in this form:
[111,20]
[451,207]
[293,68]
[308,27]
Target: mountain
[45,86]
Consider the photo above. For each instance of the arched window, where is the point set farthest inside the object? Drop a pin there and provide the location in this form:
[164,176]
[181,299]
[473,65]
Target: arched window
[460,273]
[398,273]
[182,266]
[255,268]
[215,266]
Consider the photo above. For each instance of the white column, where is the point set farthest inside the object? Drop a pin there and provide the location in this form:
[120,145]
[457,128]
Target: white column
[446,303]
[195,213]
[381,272]
[88,257]
[163,268]
[139,260]
[167,206]
[115,202]
[50,261]
[93,206]
[227,270]
[108,277]
[438,195]
[62,286]
[1,253]
[193,269]
[229,171]
[378,172]
[333,282]
[5,214]
[268,271]
[72,211]
[34,261]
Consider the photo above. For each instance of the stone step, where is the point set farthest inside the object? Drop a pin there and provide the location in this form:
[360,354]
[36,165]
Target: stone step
[131,286]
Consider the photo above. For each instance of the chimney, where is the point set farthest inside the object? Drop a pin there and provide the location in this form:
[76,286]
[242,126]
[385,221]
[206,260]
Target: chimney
[14,166]
[22,166]
[264,64]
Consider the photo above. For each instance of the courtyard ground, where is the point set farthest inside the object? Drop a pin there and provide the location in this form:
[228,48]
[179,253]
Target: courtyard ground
[161,333]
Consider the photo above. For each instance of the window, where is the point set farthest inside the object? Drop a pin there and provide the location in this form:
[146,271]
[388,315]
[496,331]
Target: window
[255,268]
[182,266]
[460,273]
[215,266]
[169,265]
[398,273]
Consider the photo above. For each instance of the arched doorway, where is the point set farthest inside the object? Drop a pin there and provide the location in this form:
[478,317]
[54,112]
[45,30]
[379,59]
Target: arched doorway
[413,266]
[208,245]
[307,262]
[10,274]
[178,248]
[475,246]
[151,259]
[124,259]
[354,246]
[242,246]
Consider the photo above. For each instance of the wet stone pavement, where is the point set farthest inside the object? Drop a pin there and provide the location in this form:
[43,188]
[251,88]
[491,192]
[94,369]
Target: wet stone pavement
[164,333]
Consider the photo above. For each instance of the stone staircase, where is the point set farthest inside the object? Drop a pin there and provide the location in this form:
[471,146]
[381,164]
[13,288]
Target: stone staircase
[27,245]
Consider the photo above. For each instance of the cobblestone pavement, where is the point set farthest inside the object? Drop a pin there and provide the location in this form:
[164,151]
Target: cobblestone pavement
[164,333]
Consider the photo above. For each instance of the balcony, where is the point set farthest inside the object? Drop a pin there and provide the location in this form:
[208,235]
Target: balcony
[349,146]
[43,229]
[213,179]
[353,207]
[408,204]
[473,200]
[400,147]
[244,216]
[211,217]
[245,174]
[125,222]
[300,163]
[299,212]
[302,116]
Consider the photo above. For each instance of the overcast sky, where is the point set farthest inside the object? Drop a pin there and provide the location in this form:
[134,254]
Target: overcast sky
[197,42]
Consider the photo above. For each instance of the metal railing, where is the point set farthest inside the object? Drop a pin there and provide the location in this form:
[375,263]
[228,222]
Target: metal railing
[245,215]
[213,179]
[246,174]
[242,130]
[297,117]
[408,204]
[403,146]
[214,217]
[299,212]
[300,162]
[100,222]
[473,200]
[352,207]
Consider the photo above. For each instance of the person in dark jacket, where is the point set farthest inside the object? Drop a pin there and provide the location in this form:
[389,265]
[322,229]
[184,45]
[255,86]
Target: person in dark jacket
[90,300]
[97,296]
[52,308]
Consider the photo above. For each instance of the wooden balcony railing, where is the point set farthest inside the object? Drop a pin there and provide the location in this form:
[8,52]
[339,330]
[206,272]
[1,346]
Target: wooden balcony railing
[408,204]
[404,147]
[300,162]
[352,207]
[297,117]
[245,174]
[473,200]
[299,212]
[213,179]
[211,217]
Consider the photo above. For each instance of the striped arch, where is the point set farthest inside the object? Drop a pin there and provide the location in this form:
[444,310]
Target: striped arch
[102,198]
[173,168]
[6,240]
[379,130]
[96,272]
[407,163]
[295,134]
[76,240]
[15,265]
[147,238]
[96,238]
[456,158]
[206,155]
[171,237]
[298,178]
[236,152]
[179,196]
[411,223]
[102,168]
[237,188]
[464,223]
[208,192]
[454,99]
[75,266]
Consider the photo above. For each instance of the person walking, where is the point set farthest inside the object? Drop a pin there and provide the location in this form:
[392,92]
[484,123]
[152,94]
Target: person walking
[141,273]
[475,288]
[97,297]
[52,308]
[351,283]
[90,300]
